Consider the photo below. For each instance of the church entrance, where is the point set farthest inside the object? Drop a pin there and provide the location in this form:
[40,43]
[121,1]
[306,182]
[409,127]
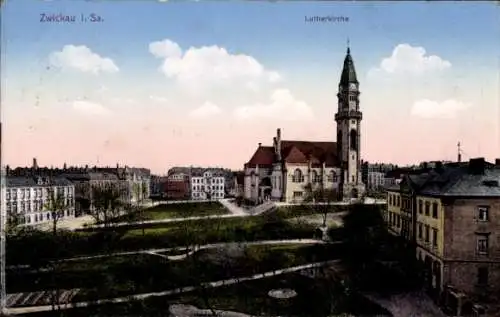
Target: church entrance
[265,189]
[354,193]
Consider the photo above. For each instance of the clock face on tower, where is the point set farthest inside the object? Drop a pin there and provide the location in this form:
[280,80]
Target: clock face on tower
[352,86]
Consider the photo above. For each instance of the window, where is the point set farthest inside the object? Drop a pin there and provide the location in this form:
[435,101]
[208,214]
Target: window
[354,139]
[434,210]
[482,244]
[297,176]
[482,276]
[420,206]
[316,177]
[483,213]
[427,208]
[420,231]
[427,234]
[297,194]
[434,238]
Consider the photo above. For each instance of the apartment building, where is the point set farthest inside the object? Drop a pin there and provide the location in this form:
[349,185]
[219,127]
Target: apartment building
[452,214]
[207,184]
[27,199]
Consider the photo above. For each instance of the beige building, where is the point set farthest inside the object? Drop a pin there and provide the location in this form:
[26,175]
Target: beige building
[281,172]
[452,213]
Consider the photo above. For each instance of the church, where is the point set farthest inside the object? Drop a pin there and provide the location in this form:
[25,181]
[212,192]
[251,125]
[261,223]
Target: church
[283,171]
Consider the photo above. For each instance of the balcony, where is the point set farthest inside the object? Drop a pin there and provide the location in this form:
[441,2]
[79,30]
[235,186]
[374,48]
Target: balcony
[352,114]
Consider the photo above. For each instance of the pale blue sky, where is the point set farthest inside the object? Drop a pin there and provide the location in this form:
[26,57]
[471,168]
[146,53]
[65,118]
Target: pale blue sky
[308,57]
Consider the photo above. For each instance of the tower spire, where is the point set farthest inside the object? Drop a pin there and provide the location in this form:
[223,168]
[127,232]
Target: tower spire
[459,153]
[348,47]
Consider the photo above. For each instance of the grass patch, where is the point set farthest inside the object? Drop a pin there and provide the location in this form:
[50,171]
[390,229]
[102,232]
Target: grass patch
[294,211]
[179,210]
[123,275]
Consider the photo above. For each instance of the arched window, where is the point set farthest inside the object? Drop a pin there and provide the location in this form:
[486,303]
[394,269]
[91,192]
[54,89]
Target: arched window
[316,177]
[354,139]
[332,177]
[297,176]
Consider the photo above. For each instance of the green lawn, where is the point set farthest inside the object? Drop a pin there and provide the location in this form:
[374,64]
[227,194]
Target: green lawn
[44,245]
[122,275]
[176,210]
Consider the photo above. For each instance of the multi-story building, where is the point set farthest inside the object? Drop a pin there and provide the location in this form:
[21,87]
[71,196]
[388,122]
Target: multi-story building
[376,180]
[452,214]
[208,184]
[27,199]
[177,187]
[281,172]
[84,182]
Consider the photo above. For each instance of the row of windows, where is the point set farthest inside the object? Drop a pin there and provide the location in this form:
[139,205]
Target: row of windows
[424,234]
[208,181]
[422,207]
[298,177]
[203,195]
[425,208]
[40,217]
[427,234]
[36,206]
[203,188]
[37,192]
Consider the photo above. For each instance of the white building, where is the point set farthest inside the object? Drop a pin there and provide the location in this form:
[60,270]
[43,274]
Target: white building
[27,199]
[376,180]
[207,184]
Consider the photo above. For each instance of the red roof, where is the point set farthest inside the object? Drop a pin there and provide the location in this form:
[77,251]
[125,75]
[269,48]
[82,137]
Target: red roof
[317,152]
[264,156]
[297,152]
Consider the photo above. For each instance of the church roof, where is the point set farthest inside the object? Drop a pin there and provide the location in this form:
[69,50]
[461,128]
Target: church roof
[263,156]
[348,72]
[297,152]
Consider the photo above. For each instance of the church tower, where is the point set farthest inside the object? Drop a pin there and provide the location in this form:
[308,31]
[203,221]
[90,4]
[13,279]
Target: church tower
[348,118]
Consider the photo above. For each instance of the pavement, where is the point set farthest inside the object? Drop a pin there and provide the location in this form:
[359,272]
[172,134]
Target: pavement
[416,304]
[68,305]
[201,247]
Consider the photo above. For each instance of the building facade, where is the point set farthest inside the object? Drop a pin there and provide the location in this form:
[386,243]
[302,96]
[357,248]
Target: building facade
[282,172]
[207,185]
[177,187]
[27,199]
[452,214]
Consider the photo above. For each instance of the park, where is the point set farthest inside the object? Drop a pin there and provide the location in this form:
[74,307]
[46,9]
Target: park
[96,268]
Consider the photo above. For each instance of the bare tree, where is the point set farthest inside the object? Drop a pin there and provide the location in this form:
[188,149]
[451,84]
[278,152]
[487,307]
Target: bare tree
[321,199]
[56,206]
[107,203]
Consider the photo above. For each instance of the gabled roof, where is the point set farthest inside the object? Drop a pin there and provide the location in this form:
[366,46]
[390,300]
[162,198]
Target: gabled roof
[263,156]
[453,181]
[295,156]
[316,151]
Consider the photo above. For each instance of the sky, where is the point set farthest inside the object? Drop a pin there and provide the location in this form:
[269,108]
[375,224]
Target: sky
[177,83]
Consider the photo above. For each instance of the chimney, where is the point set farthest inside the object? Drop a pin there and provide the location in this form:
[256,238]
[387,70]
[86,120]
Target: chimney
[476,166]
[497,162]
[278,144]
[35,165]
[260,144]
